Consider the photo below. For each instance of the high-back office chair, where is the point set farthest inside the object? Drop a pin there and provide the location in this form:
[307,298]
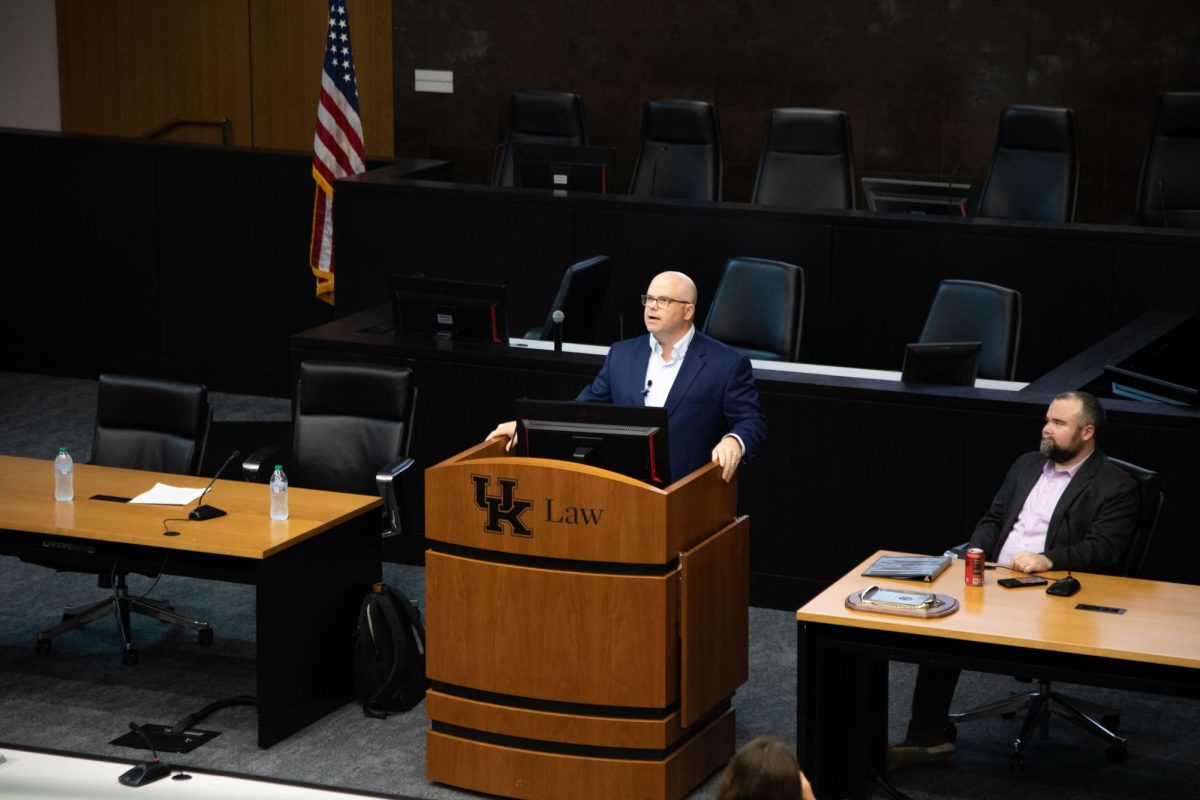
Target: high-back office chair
[680,153]
[1169,187]
[352,427]
[807,161]
[538,117]
[141,423]
[972,311]
[580,298]
[1044,702]
[1034,172]
[759,308]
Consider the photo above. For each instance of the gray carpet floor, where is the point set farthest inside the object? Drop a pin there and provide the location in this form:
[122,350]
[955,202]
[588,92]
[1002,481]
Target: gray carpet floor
[80,697]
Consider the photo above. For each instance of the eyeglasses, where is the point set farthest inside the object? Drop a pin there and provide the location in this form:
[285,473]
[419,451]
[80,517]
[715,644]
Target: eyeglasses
[661,302]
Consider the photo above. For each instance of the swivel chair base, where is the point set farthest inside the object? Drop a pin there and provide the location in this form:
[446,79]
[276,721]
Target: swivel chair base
[1042,705]
[122,605]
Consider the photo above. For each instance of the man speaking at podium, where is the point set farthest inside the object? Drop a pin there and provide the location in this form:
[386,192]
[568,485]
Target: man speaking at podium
[1064,507]
[707,387]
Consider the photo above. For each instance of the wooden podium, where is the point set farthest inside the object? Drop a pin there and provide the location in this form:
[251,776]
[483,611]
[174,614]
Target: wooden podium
[586,631]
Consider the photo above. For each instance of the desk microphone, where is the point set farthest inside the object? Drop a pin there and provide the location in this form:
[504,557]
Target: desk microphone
[203,512]
[620,326]
[557,317]
[1065,587]
[147,771]
[1162,201]
[962,207]
[654,172]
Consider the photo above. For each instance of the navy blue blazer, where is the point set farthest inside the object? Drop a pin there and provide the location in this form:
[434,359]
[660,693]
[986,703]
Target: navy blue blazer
[713,395]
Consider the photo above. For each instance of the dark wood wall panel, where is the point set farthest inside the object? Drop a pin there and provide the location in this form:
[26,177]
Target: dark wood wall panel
[287,43]
[128,67]
[922,80]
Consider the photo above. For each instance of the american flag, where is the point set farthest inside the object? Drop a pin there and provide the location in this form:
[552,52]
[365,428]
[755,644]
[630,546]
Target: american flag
[338,143]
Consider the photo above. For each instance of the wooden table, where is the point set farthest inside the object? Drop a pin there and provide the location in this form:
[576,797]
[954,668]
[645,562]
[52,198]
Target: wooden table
[311,571]
[841,697]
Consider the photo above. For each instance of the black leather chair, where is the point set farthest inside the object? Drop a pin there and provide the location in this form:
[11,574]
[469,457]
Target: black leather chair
[580,298]
[1044,702]
[1171,167]
[759,308]
[141,423]
[971,311]
[807,161]
[538,117]
[352,426]
[1034,172]
[680,153]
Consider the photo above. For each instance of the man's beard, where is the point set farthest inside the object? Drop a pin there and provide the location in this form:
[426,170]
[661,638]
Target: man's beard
[1060,455]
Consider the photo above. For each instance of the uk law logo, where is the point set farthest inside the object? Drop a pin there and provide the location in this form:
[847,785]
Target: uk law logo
[505,508]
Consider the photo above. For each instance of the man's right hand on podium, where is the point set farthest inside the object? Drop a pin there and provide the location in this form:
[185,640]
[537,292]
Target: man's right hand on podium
[507,430]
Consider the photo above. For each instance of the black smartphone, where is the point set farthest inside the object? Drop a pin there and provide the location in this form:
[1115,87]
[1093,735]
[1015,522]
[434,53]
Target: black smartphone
[1024,580]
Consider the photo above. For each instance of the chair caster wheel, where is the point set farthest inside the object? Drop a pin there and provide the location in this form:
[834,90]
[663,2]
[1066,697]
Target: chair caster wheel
[129,657]
[1111,721]
[205,635]
[43,646]
[1117,754]
[951,732]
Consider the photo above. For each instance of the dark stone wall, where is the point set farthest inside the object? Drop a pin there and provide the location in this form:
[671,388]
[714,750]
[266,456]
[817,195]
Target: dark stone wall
[922,80]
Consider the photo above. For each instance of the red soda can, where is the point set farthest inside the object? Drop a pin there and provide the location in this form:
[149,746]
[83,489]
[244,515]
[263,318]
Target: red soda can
[974,576]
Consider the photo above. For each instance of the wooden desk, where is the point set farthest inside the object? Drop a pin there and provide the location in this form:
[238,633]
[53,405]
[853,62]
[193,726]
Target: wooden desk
[311,571]
[841,697]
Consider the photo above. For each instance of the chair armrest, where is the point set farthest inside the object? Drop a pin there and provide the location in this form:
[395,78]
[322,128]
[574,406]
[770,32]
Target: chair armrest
[252,467]
[389,489]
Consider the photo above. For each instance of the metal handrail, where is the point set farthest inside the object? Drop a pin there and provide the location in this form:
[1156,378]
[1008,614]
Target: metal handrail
[224,124]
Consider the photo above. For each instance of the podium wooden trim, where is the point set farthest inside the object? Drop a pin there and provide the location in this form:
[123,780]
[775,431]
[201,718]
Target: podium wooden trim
[586,631]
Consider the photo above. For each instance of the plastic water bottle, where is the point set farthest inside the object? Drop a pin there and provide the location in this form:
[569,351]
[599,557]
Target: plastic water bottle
[64,476]
[279,508]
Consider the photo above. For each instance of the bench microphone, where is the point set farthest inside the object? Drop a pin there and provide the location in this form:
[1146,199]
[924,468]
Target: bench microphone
[1065,587]
[557,318]
[147,771]
[203,512]
[1162,202]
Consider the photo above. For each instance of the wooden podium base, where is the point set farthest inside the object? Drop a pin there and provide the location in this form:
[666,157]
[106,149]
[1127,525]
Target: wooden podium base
[532,774]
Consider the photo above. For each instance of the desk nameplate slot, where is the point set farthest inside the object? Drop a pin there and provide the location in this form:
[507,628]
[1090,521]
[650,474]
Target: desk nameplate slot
[1102,609]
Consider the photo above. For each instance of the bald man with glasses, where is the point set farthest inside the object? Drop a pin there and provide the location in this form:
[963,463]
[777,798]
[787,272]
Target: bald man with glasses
[713,412]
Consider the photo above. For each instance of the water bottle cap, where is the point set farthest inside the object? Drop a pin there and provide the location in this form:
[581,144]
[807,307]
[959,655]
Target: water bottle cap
[62,449]
[279,466]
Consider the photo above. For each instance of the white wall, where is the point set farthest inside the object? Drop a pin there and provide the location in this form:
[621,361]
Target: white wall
[29,65]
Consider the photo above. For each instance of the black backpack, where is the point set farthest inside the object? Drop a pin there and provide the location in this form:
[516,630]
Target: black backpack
[389,655]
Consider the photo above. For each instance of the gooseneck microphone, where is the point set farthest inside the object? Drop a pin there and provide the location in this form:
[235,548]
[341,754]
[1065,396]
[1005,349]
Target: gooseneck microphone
[147,771]
[962,207]
[1065,587]
[203,512]
[1162,202]
[654,172]
[557,318]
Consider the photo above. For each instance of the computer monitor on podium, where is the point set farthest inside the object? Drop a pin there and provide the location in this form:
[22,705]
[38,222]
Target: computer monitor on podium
[449,309]
[631,440]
